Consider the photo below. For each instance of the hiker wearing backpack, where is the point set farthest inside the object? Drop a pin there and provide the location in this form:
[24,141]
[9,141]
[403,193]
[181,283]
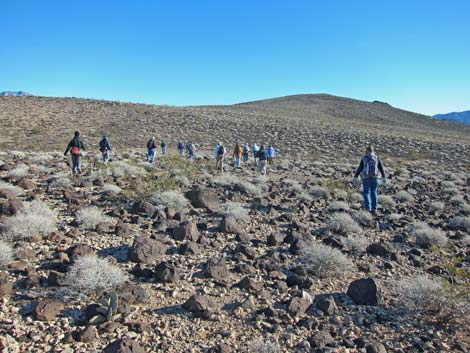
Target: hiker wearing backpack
[191,150]
[216,150]
[237,154]
[181,147]
[151,148]
[76,146]
[254,151]
[371,171]
[262,157]
[246,151]
[271,153]
[219,164]
[163,147]
[105,148]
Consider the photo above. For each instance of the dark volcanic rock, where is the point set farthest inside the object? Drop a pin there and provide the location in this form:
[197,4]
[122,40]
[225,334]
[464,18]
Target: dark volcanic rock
[147,250]
[47,309]
[203,198]
[125,345]
[364,291]
[166,273]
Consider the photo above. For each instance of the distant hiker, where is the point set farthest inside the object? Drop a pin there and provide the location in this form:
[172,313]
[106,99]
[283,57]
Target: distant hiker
[163,146]
[262,157]
[181,147]
[246,151]
[76,146]
[219,164]
[370,169]
[237,154]
[254,151]
[271,153]
[105,148]
[151,148]
[216,150]
[191,150]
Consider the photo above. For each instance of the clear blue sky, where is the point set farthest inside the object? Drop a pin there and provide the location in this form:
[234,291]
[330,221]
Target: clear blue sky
[414,54]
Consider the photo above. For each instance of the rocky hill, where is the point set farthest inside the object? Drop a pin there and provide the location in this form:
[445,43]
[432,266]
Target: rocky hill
[460,117]
[14,94]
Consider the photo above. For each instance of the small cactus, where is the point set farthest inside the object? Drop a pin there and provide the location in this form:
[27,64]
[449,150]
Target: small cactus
[107,309]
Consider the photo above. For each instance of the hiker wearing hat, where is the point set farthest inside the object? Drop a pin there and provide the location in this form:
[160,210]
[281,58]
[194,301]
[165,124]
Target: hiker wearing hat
[220,154]
[76,146]
[105,148]
[151,148]
[371,171]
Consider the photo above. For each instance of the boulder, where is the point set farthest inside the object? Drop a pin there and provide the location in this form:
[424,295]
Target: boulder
[124,345]
[87,335]
[381,249]
[26,184]
[5,285]
[166,273]
[321,339]
[326,304]
[48,308]
[220,348]
[250,284]
[79,250]
[364,291]
[203,198]
[143,207]
[217,269]
[189,248]
[186,231]
[298,305]
[147,250]
[375,347]
[122,229]
[229,224]
[199,303]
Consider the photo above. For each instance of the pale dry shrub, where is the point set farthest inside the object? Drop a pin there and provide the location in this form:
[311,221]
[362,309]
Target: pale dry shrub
[338,206]
[465,208]
[340,194]
[305,197]
[457,200]
[248,188]
[19,172]
[40,158]
[357,243]
[235,210]
[436,206]
[88,218]
[182,180]
[225,180]
[386,201]
[60,181]
[6,253]
[420,294]
[120,169]
[362,217]
[461,223]
[394,217]
[171,199]
[427,236]
[356,197]
[35,218]
[342,223]
[10,187]
[319,192]
[91,274]
[111,189]
[261,346]
[403,197]
[324,261]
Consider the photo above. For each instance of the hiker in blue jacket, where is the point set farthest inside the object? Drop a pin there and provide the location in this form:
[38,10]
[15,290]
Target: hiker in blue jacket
[105,148]
[151,148]
[372,174]
[271,153]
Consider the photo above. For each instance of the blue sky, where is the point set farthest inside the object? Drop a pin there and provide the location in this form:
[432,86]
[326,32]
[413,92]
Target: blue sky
[413,54]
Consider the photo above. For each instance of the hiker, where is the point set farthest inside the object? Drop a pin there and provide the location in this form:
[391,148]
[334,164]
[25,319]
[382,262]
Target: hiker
[254,151]
[191,150]
[151,148]
[76,146]
[371,171]
[262,157]
[105,148]
[181,147]
[246,151]
[271,153]
[219,164]
[216,150]
[237,154]
[163,147]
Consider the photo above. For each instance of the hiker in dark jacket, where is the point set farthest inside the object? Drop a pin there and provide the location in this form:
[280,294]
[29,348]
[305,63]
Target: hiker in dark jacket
[151,148]
[105,148]
[262,157]
[76,146]
[372,173]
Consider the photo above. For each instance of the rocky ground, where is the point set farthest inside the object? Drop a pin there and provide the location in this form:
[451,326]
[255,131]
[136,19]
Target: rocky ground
[197,261]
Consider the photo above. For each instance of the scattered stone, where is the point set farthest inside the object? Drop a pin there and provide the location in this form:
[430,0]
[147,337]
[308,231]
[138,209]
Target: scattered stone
[199,304]
[147,250]
[166,273]
[48,308]
[229,224]
[186,231]
[364,291]
[124,345]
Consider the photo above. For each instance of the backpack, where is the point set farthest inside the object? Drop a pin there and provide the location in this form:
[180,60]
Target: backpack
[221,151]
[371,166]
[104,145]
[151,144]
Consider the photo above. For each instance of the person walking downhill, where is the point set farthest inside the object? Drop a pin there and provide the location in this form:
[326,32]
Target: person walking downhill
[371,170]
[219,164]
[163,147]
[246,151]
[76,146]
[254,151]
[262,157]
[216,150]
[181,147]
[151,148]
[271,153]
[237,154]
[105,148]
[191,150]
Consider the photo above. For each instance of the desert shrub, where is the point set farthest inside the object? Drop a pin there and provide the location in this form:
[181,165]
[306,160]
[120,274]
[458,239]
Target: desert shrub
[6,253]
[386,201]
[465,208]
[248,188]
[304,196]
[17,154]
[261,346]
[225,180]
[457,200]
[61,180]
[395,217]
[120,169]
[338,206]
[448,185]
[88,218]
[362,217]
[436,206]
[13,188]
[40,158]
[19,172]
[183,180]
[260,180]
[111,189]
[357,243]
[461,223]
[356,197]
[235,210]
[340,194]
[90,274]
[427,236]
[403,196]
[466,240]
[35,218]
[420,294]
[324,261]
[319,192]
[170,199]
[342,223]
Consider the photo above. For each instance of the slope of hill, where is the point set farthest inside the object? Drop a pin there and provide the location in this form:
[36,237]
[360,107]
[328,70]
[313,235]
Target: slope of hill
[460,117]
[303,126]
[14,94]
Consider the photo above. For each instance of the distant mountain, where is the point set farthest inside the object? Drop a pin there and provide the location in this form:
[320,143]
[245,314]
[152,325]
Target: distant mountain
[14,94]
[460,117]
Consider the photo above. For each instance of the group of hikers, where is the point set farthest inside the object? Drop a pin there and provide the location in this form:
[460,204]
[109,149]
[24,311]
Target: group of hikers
[370,168]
